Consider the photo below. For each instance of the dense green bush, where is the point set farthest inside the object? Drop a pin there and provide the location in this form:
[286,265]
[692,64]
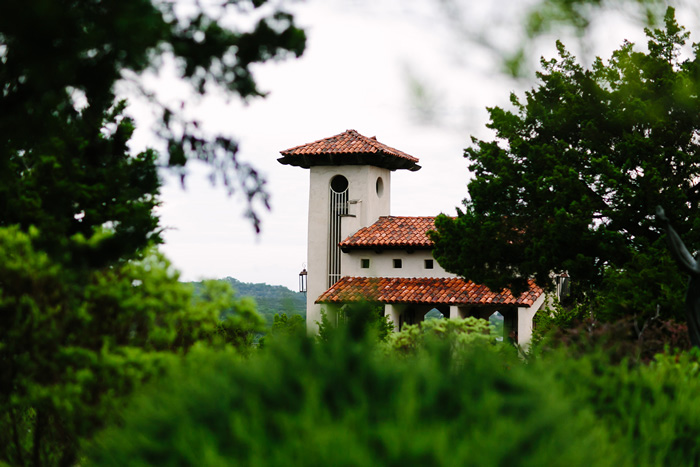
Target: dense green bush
[342,402]
[459,333]
[361,318]
[632,339]
[652,411]
[288,325]
[347,401]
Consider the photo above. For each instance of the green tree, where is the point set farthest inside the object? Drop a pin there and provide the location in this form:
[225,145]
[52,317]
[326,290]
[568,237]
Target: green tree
[75,342]
[572,178]
[284,325]
[62,153]
[362,318]
[87,310]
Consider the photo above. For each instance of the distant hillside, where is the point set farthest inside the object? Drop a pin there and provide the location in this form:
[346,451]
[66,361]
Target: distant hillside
[271,299]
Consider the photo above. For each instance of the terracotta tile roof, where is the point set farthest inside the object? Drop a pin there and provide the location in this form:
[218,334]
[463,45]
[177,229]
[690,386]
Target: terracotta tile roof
[450,291]
[348,148]
[393,232]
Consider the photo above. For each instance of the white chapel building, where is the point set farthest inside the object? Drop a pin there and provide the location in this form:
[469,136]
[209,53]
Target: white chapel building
[358,252]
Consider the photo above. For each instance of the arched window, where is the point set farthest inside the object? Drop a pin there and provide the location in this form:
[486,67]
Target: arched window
[338,206]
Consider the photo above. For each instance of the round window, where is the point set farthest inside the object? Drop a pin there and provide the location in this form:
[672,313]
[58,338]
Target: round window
[339,183]
[380,186]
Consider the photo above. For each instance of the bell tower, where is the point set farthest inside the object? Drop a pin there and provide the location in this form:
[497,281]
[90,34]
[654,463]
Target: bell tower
[350,188]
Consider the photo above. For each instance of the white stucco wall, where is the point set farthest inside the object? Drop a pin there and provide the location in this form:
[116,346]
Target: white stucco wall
[366,205]
[525,317]
[382,264]
[393,311]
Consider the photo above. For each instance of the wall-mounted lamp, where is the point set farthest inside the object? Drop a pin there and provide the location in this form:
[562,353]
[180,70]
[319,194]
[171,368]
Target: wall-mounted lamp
[302,280]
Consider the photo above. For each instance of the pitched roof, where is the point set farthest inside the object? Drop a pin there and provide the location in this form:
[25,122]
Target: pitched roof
[348,148]
[450,291]
[393,232]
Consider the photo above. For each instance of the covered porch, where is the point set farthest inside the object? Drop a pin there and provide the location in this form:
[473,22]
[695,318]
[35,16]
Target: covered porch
[408,300]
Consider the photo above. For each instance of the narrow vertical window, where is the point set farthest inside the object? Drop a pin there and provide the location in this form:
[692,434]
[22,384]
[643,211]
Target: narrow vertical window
[428,264]
[364,263]
[338,197]
[397,264]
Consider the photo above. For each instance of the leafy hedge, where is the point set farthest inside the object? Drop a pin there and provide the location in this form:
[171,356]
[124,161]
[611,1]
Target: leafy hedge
[344,402]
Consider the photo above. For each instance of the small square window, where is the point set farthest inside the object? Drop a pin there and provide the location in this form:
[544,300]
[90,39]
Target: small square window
[364,263]
[428,264]
[397,264]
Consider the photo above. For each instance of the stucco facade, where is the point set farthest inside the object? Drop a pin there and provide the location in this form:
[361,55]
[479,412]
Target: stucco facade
[369,197]
[382,263]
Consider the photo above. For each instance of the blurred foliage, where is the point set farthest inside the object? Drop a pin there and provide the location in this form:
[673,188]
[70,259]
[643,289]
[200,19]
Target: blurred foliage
[289,326]
[75,342]
[573,176]
[344,401]
[60,61]
[628,339]
[361,318]
[340,402]
[515,31]
[554,316]
[548,15]
[88,309]
[651,411]
[91,201]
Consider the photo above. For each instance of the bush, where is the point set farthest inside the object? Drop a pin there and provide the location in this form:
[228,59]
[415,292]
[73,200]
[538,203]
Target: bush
[341,402]
[358,318]
[459,334]
[652,411]
[628,339]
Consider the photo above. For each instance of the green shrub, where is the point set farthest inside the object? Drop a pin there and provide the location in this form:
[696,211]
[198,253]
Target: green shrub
[342,402]
[460,334]
[288,325]
[556,317]
[360,319]
[631,339]
[652,411]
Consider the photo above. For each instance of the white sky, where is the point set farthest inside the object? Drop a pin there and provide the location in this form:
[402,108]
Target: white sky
[355,74]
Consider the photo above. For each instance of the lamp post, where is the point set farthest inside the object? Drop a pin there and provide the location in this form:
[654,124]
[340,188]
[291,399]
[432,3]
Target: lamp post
[302,280]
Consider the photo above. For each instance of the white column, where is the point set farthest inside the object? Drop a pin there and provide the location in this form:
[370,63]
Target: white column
[457,312]
[393,311]
[525,316]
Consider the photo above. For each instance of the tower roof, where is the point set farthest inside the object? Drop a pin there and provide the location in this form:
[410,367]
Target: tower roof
[348,148]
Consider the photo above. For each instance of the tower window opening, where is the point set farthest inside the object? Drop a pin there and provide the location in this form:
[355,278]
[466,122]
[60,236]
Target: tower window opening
[380,187]
[339,184]
[338,207]
[364,263]
[397,264]
[428,264]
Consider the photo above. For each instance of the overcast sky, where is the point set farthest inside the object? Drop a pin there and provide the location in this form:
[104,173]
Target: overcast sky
[363,63]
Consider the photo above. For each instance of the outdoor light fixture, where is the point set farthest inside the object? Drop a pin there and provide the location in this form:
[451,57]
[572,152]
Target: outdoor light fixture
[302,280]
[563,285]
